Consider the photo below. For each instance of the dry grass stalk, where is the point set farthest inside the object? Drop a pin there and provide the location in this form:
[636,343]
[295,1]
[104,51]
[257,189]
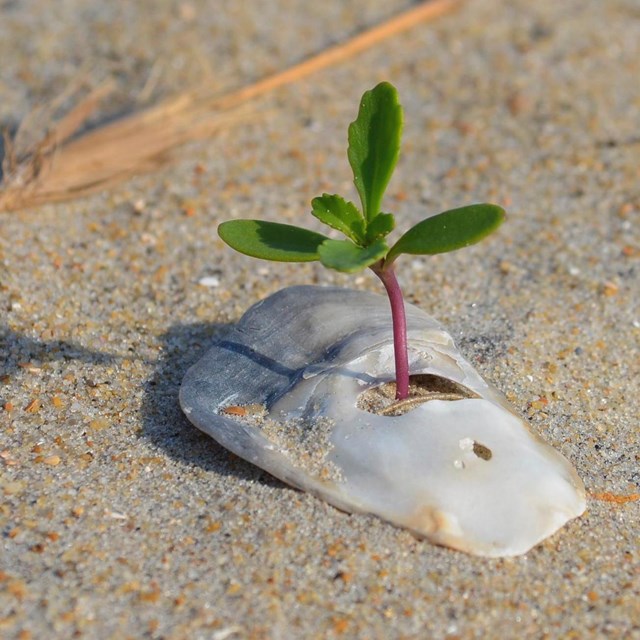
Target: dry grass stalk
[60,167]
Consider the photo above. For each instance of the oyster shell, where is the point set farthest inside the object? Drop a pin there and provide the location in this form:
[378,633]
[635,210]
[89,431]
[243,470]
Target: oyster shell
[283,390]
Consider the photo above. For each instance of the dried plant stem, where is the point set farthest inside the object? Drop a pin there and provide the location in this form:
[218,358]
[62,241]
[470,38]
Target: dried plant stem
[59,167]
[337,53]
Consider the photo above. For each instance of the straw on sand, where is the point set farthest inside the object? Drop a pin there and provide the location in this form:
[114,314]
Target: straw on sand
[60,167]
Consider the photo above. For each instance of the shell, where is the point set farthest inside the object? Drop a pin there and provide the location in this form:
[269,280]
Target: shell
[281,389]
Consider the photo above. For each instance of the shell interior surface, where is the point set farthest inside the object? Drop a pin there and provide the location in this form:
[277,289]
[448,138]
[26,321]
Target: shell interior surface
[283,389]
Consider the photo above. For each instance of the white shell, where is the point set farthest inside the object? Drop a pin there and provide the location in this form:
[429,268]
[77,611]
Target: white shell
[307,353]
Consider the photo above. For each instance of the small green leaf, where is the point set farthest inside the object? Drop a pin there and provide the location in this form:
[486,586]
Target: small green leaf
[374,145]
[382,225]
[449,231]
[340,214]
[343,255]
[271,240]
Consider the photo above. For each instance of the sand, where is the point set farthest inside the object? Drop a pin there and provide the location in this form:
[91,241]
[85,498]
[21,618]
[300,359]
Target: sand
[118,518]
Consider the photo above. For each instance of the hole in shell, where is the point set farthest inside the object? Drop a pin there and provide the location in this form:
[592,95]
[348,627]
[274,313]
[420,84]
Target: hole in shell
[423,387]
[482,451]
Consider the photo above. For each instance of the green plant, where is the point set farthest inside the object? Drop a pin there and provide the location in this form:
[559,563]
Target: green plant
[374,145]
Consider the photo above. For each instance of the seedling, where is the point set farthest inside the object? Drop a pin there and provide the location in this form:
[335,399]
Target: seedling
[374,146]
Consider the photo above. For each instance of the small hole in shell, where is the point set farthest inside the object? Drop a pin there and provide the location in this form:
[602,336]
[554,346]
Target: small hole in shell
[481,451]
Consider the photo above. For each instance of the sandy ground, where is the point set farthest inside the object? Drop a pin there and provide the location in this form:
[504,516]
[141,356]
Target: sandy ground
[118,518]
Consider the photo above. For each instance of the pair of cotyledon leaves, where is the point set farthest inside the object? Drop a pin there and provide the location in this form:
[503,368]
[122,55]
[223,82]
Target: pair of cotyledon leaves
[374,146]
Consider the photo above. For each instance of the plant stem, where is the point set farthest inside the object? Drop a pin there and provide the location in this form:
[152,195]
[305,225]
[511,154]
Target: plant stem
[390,282]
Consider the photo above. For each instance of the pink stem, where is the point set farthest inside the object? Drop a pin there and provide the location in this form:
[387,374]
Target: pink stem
[390,282]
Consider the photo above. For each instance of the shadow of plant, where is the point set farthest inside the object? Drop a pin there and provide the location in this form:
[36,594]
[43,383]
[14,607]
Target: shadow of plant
[166,426]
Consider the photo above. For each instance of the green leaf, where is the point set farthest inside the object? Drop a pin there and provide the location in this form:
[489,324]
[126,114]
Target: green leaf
[340,214]
[449,231]
[382,225]
[374,145]
[271,240]
[343,255]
